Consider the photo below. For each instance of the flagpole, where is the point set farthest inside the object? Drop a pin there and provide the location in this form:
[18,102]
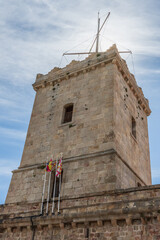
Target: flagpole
[54,190]
[59,186]
[59,193]
[44,185]
[48,192]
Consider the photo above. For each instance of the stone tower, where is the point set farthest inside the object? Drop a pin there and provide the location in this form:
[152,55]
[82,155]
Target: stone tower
[105,143]
[94,112]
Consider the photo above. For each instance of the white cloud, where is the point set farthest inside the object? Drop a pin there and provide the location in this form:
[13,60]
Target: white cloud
[35,34]
[5,171]
[12,133]
[6,102]
[7,166]
[146,71]
[9,119]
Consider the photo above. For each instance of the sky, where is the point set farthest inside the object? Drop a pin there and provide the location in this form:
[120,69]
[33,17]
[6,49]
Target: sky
[35,34]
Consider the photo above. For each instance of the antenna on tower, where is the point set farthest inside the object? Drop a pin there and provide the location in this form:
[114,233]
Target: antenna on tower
[96,40]
[98,31]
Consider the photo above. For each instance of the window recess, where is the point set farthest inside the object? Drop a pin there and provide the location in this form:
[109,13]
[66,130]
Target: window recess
[133,127]
[68,112]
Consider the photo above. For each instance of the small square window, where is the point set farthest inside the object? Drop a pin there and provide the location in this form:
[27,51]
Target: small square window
[133,127]
[68,112]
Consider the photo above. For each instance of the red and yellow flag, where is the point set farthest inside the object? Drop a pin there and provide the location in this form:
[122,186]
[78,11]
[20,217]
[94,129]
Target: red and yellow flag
[59,168]
[50,165]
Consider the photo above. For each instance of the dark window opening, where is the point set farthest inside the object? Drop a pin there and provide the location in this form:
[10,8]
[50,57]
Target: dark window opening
[138,184]
[57,184]
[133,127]
[68,112]
[87,233]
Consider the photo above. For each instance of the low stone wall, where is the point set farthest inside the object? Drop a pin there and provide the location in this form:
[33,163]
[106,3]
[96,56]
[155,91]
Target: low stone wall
[131,214]
[137,231]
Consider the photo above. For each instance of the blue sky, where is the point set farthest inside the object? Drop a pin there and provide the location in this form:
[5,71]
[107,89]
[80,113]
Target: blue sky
[35,34]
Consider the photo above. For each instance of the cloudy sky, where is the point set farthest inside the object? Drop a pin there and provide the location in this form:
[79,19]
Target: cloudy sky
[35,34]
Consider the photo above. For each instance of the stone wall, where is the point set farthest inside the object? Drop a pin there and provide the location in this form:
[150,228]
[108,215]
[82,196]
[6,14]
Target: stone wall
[87,174]
[92,96]
[89,132]
[125,176]
[137,231]
[135,151]
[130,214]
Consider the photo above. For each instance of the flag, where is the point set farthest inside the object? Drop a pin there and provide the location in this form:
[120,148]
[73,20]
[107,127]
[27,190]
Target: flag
[50,165]
[59,168]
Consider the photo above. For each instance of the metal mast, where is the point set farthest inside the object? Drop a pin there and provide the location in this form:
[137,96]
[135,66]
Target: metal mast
[97,42]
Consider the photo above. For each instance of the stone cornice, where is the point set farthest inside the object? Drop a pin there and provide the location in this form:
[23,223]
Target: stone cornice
[34,205]
[66,160]
[116,214]
[81,157]
[46,80]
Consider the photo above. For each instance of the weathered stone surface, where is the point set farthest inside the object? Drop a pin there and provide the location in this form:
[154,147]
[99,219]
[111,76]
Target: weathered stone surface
[103,162]
[119,214]
[104,105]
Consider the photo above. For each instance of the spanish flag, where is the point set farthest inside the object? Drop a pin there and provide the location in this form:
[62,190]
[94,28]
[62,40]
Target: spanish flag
[50,165]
